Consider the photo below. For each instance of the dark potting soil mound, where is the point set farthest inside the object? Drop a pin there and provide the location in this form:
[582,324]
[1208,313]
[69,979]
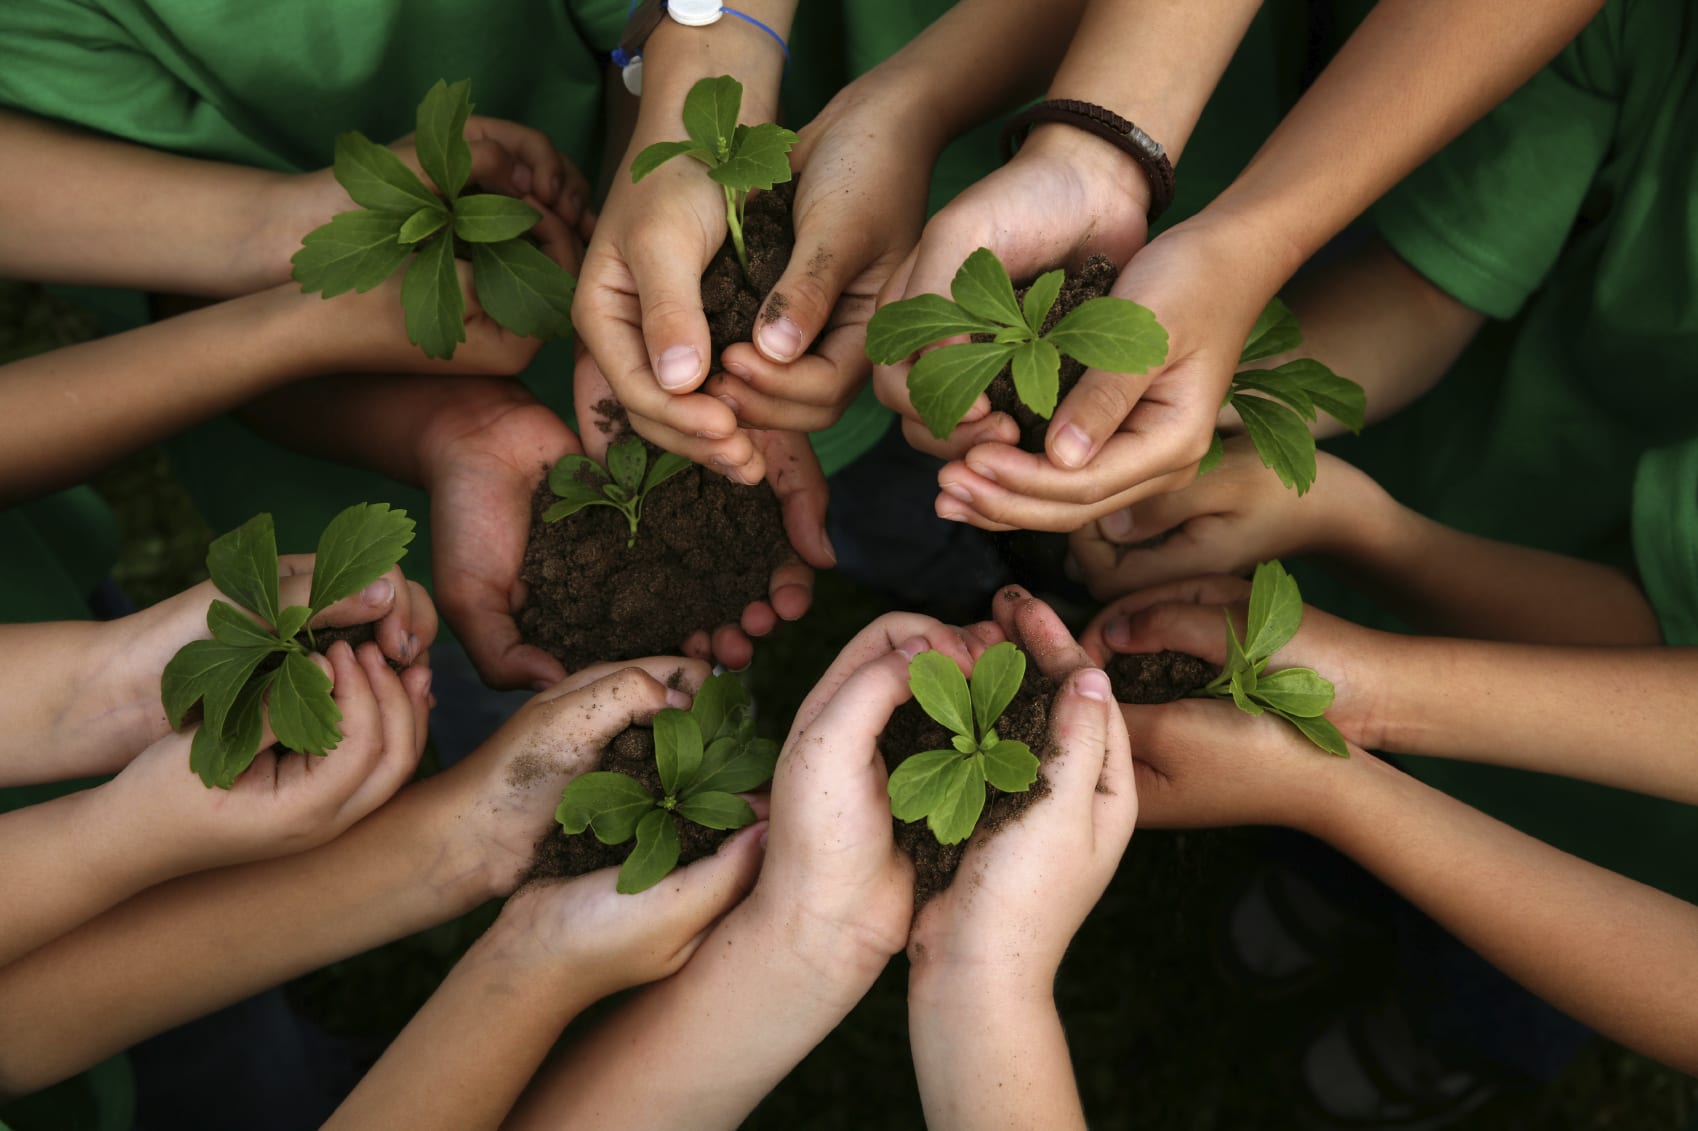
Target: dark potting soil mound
[706,548]
[1157,677]
[355,635]
[559,855]
[911,731]
[732,300]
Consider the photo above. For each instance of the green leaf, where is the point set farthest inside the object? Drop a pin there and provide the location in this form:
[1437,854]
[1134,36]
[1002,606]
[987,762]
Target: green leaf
[1275,331]
[1040,298]
[983,289]
[1276,611]
[243,564]
[714,809]
[1282,440]
[900,328]
[1241,693]
[233,627]
[718,706]
[377,179]
[490,217]
[964,799]
[523,289]
[441,137]
[292,620]
[964,744]
[1264,381]
[1111,334]
[1211,458]
[917,786]
[996,680]
[656,853]
[617,493]
[658,154]
[942,691]
[568,507]
[303,715]
[357,547]
[664,467]
[1295,692]
[1236,658]
[710,113]
[759,158]
[356,251]
[1013,335]
[431,298]
[626,460]
[220,755]
[1322,733]
[424,223]
[1036,368]
[677,749]
[945,382]
[611,803]
[209,672]
[733,765]
[1338,397]
[1011,766]
[576,476]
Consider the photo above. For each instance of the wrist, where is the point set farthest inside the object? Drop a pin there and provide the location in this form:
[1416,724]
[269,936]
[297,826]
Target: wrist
[946,986]
[281,217]
[1412,713]
[676,57]
[831,963]
[1093,159]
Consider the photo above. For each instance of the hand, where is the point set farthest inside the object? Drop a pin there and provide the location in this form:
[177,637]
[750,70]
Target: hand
[283,803]
[1226,521]
[1185,616]
[1064,197]
[1116,439]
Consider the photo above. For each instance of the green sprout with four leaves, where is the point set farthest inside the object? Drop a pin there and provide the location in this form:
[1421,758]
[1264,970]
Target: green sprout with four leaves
[705,756]
[400,220]
[739,158]
[579,482]
[223,674]
[947,787]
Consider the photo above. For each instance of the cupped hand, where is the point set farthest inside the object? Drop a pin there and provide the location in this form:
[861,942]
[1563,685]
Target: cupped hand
[1225,521]
[1189,616]
[285,803]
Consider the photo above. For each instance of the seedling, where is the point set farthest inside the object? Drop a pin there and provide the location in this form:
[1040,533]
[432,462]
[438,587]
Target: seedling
[706,756]
[579,482]
[223,674]
[1297,695]
[402,220]
[739,158]
[1277,420]
[947,787]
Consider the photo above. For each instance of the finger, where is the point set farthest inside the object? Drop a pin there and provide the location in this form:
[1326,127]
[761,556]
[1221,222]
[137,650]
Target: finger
[1091,412]
[1001,505]
[558,240]
[482,614]
[906,633]
[1039,632]
[826,259]
[374,601]
[530,148]
[362,724]
[574,728]
[705,889]
[1203,546]
[417,680]
[675,672]
[949,505]
[756,409]
[400,743]
[1213,590]
[791,593]
[495,168]
[737,458]
[1079,729]
[979,426]
[732,646]
[797,479]
[854,717]
[1194,629]
[675,330]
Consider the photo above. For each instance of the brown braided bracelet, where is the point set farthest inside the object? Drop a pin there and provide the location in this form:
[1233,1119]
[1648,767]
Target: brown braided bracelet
[1109,126]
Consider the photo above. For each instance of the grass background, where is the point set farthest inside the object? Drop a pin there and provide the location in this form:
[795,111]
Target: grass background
[1162,1040]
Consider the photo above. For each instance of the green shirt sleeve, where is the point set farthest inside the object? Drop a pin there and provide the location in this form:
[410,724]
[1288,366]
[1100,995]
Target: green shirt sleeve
[1486,217]
[1665,538]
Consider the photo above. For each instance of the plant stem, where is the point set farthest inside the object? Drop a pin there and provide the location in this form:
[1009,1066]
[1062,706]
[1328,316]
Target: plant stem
[734,221]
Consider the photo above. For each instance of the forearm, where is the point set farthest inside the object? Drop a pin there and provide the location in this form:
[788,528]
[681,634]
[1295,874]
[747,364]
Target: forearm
[1613,953]
[990,1056]
[191,946]
[62,719]
[1616,716]
[676,57]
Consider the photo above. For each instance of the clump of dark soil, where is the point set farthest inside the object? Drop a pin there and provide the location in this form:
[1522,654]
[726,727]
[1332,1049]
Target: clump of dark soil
[355,635]
[1157,677]
[732,300]
[911,731]
[560,855]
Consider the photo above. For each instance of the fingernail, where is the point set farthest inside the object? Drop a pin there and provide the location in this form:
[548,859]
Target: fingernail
[781,339]
[522,179]
[982,470]
[1093,684]
[1014,593]
[913,647]
[830,550]
[730,403]
[676,698]
[736,369]
[411,651]
[719,464]
[766,832]
[575,205]
[956,491]
[951,516]
[379,592]
[1118,632]
[678,366]
[1072,446]
[1117,525]
[1070,569]
[429,675]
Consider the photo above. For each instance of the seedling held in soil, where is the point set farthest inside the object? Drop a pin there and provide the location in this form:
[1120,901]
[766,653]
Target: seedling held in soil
[401,219]
[222,674]
[739,158]
[947,787]
[1297,695]
[706,756]
[579,482]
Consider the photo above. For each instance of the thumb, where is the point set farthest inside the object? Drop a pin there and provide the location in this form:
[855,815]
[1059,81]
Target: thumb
[711,886]
[1199,630]
[1089,414]
[830,251]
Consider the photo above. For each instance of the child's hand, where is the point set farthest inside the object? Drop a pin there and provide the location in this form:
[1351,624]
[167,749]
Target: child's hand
[1188,616]
[1225,521]
[283,803]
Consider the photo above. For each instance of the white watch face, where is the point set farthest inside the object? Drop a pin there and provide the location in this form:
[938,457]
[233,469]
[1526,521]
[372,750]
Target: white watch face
[632,73]
[695,13]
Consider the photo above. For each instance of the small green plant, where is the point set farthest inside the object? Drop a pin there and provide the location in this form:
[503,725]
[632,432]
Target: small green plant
[706,756]
[401,219]
[223,674]
[739,158]
[579,482]
[1276,420]
[1102,333]
[1297,695]
[947,787]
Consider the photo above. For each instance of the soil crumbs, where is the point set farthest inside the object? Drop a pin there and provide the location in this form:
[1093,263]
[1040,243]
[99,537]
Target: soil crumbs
[1093,280]
[1146,678]
[732,300]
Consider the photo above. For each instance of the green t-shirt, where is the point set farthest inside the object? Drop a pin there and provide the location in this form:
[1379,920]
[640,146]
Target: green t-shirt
[1569,211]
[1665,538]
